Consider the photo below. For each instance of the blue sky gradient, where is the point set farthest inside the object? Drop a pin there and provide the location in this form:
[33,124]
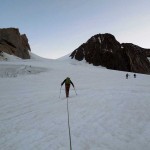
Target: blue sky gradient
[57,27]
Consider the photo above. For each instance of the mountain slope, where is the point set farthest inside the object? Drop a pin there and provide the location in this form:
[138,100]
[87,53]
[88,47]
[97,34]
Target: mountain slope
[109,111]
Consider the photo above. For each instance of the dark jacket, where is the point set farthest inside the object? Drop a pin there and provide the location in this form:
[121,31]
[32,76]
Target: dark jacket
[65,82]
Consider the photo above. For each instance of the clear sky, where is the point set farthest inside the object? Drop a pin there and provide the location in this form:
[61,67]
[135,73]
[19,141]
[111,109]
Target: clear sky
[57,27]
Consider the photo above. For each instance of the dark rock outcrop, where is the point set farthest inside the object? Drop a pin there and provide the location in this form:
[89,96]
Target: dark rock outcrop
[147,51]
[105,50]
[13,43]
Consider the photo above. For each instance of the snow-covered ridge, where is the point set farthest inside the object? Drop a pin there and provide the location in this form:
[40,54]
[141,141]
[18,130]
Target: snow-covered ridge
[36,57]
[6,57]
[66,57]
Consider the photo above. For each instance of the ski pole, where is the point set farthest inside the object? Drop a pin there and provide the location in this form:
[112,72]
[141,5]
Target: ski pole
[60,91]
[75,90]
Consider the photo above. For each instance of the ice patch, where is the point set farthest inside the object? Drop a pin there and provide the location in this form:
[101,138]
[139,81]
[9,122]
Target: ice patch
[9,70]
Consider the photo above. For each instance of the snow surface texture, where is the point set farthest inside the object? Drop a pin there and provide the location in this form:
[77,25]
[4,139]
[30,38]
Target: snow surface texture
[109,111]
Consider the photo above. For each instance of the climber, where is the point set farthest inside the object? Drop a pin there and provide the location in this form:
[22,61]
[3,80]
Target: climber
[67,82]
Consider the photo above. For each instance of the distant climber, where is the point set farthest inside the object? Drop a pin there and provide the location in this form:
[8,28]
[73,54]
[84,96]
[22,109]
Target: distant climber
[134,75]
[67,82]
[127,75]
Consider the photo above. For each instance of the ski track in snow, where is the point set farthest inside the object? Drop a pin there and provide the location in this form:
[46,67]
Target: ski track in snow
[109,112]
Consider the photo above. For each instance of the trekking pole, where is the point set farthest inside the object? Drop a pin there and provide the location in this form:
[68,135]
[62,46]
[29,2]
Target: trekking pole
[60,91]
[75,90]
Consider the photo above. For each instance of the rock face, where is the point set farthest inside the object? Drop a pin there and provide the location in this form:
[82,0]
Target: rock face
[105,50]
[12,42]
[147,52]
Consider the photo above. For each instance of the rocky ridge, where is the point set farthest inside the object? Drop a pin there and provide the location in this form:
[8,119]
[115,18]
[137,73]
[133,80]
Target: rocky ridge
[105,50]
[13,43]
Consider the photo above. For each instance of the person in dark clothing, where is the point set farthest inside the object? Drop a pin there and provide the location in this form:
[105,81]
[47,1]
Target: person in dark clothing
[134,75]
[67,82]
[127,76]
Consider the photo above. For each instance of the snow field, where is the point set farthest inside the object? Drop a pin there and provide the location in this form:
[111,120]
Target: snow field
[109,112]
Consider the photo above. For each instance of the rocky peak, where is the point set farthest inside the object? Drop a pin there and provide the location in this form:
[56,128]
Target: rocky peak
[12,42]
[105,50]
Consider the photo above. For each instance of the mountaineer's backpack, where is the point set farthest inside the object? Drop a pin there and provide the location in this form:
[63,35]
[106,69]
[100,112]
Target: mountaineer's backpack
[68,81]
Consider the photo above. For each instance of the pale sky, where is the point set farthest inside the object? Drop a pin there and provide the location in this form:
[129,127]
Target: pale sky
[57,27]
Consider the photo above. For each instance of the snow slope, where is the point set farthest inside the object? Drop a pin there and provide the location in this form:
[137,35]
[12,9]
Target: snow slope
[109,112]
